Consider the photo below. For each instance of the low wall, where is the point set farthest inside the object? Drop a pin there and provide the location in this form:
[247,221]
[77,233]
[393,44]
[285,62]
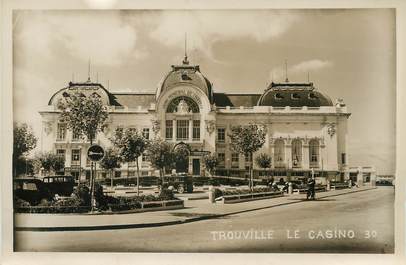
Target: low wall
[316,189]
[154,206]
[144,207]
[236,198]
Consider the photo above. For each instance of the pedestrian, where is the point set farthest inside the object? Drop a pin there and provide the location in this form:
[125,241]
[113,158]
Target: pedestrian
[310,188]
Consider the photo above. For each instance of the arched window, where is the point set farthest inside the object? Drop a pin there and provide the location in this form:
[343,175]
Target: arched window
[182,104]
[279,151]
[314,152]
[296,153]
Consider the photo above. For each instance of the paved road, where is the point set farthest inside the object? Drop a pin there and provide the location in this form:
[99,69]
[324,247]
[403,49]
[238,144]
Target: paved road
[361,222]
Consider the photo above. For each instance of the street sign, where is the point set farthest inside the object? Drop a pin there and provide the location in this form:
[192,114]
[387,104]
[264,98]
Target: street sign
[95,153]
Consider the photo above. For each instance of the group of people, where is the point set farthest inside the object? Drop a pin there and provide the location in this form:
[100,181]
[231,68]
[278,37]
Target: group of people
[311,182]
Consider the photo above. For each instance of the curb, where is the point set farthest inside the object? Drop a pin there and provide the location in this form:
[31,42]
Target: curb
[168,223]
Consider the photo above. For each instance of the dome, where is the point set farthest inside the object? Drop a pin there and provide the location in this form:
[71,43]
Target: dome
[183,75]
[293,95]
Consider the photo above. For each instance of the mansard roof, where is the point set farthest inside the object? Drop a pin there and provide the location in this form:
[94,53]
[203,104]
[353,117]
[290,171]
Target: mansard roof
[293,95]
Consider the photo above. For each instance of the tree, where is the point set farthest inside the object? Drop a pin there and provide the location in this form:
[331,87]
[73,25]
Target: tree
[50,162]
[264,161]
[24,141]
[130,145]
[110,161]
[160,155]
[86,116]
[211,162]
[247,140]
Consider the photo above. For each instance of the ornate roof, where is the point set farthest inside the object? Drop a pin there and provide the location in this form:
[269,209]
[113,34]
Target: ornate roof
[293,95]
[185,74]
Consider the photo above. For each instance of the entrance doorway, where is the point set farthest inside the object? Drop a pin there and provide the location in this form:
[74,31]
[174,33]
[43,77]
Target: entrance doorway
[196,166]
[182,166]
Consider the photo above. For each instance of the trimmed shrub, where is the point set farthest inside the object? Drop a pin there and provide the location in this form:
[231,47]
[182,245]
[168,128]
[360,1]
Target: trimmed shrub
[82,192]
[219,193]
[20,203]
[166,195]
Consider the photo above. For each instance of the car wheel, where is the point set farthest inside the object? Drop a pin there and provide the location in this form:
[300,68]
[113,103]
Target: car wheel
[181,189]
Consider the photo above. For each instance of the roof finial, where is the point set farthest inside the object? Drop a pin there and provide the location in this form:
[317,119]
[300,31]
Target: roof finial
[88,72]
[97,77]
[308,77]
[185,60]
[286,71]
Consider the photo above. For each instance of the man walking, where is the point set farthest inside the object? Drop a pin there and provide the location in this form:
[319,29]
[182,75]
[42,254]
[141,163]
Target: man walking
[310,187]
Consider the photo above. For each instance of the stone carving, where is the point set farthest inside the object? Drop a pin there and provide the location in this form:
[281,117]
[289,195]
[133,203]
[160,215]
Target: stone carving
[340,102]
[156,127]
[47,127]
[331,130]
[183,108]
[210,126]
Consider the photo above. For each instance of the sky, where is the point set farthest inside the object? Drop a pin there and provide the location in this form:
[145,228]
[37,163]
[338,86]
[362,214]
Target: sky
[348,54]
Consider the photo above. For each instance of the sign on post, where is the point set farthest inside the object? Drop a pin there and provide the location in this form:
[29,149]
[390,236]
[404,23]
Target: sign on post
[95,153]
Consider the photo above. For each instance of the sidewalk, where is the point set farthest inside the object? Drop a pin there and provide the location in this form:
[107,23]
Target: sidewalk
[195,210]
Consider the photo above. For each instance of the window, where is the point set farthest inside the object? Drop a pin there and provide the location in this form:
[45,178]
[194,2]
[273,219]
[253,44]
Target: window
[278,96]
[312,96]
[343,160]
[296,153]
[75,156]
[314,152]
[248,158]
[191,105]
[75,136]
[61,152]
[169,129]
[221,159]
[182,129]
[221,134]
[234,160]
[295,96]
[145,133]
[145,158]
[196,130]
[61,131]
[235,157]
[279,151]
[29,186]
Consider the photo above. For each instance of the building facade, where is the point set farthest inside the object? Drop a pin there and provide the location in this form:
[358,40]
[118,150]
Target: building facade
[306,131]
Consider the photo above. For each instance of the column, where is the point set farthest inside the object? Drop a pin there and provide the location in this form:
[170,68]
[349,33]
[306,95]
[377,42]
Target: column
[288,155]
[305,156]
[190,130]
[174,130]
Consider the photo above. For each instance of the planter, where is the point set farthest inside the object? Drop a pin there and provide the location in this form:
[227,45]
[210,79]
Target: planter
[116,208]
[304,190]
[339,186]
[52,209]
[248,197]
[149,206]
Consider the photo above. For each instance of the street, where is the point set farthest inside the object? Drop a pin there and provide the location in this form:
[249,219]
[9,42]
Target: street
[359,222]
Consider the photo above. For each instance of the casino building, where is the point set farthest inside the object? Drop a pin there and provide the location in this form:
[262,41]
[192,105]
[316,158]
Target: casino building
[305,130]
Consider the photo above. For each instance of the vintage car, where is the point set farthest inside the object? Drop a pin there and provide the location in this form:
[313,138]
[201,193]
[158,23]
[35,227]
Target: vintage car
[31,190]
[180,182]
[60,184]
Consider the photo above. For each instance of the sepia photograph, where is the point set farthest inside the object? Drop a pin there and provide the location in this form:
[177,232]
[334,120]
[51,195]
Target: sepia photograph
[204,130]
